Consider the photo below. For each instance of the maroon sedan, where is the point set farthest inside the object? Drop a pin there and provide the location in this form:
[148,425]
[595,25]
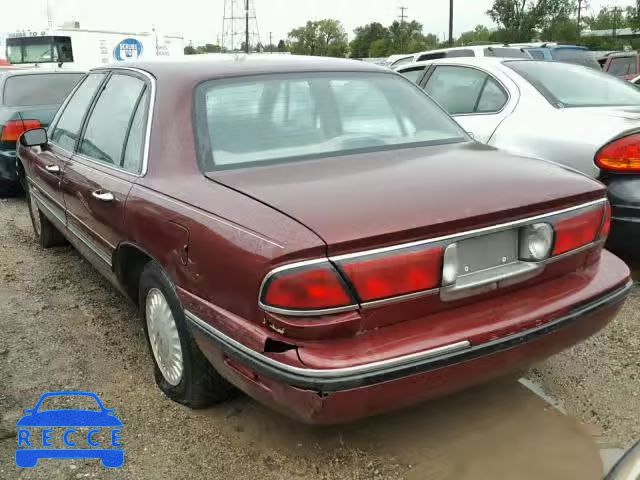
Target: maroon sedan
[318,233]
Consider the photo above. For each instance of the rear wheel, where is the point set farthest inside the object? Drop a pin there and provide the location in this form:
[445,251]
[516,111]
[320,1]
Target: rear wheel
[46,234]
[181,370]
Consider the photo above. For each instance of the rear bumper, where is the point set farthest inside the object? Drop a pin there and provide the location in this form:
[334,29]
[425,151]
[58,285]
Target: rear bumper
[8,171]
[624,195]
[324,396]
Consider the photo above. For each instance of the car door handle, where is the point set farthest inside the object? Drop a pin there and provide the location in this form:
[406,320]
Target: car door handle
[103,196]
[52,168]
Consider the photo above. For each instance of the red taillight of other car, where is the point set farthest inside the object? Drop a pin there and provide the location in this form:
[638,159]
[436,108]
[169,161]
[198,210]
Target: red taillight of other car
[581,229]
[12,130]
[621,155]
[306,288]
[394,274]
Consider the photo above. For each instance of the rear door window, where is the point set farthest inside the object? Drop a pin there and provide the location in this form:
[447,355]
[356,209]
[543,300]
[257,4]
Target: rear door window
[108,125]
[43,89]
[67,129]
[413,74]
[621,66]
[463,90]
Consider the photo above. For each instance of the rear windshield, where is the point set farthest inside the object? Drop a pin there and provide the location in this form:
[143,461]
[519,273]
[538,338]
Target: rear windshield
[576,56]
[568,86]
[286,118]
[402,61]
[41,89]
[504,52]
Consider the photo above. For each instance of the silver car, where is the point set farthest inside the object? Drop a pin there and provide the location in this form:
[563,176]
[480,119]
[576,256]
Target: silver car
[569,114]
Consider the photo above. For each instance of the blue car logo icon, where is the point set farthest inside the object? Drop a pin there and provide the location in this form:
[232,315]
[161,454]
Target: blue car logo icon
[32,447]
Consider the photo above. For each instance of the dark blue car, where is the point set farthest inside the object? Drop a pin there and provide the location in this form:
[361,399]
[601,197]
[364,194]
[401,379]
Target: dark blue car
[30,450]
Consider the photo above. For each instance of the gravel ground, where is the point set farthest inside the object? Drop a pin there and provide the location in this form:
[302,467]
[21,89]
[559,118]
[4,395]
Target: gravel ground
[599,380]
[64,328]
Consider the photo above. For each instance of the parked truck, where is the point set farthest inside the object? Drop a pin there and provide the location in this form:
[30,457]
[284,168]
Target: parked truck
[77,48]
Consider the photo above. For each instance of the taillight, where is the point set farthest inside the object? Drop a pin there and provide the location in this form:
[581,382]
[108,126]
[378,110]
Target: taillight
[606,223]
[12,130]
[311,287]
[578,230]
[394,274]
[622,155]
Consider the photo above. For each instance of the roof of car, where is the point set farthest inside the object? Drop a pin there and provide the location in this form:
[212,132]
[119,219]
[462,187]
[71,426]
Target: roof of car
[196,67]
[36,71]
[478,61]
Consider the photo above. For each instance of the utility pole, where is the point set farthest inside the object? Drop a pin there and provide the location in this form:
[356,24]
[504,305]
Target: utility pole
[451,23]
[615,21]
[579,16]
[271,41]
[246,26]
[402,16]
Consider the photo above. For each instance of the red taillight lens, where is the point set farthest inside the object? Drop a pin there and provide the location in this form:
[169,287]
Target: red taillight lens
[578,230]
[622,155]
[12,130]
[395,273]
[315,287]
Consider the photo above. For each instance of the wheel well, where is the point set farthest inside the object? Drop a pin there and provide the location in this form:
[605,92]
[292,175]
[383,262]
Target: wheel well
[128,265]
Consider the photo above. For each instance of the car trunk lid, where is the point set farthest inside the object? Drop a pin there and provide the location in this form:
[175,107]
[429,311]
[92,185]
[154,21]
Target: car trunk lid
[375,200]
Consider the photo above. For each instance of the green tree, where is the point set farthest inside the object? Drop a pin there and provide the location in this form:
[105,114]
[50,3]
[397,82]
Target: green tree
[519,19]
[189,50]
[380,48]
[282,46]
[325,38]
[480,34]
[365,36]
[610,17]
[407,37]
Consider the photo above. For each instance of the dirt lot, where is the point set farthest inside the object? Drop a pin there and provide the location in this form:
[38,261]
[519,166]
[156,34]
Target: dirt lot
[64,328]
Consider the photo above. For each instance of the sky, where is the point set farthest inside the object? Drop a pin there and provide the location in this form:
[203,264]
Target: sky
[200,21]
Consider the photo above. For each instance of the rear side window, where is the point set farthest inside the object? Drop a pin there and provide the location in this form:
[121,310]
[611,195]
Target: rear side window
[413,73]
[536,54]
[463,90]
[43,89]
[66,132]
[579,56]
[621,66]
[504,52]
[109,123]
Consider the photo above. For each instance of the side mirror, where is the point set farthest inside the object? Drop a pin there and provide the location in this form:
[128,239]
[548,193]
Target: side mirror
[34,138]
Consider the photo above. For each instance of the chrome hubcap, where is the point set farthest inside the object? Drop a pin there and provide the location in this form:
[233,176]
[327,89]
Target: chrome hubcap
[35,211]
[164,337]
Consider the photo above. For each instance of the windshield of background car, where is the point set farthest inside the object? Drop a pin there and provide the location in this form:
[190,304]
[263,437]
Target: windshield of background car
[566,86]
[285,118]
[576,56]
[41,89]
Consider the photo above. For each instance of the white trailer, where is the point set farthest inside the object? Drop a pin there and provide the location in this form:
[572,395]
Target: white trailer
[78,48]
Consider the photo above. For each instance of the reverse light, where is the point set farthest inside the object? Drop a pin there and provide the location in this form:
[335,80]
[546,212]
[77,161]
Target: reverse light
[450,265]
[394,274]
[606,223]
[314,287]
[621,155]
[578,230]
[535,242]
[12,130]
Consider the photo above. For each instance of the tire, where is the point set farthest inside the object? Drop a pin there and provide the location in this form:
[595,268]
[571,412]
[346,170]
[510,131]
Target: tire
[197,385]
[46,234]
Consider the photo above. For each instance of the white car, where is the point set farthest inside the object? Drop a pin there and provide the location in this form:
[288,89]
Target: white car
[564,113]
[497,50]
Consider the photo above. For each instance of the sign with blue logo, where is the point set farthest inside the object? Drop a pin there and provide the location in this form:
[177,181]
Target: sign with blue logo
[127,49]
[79,433]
